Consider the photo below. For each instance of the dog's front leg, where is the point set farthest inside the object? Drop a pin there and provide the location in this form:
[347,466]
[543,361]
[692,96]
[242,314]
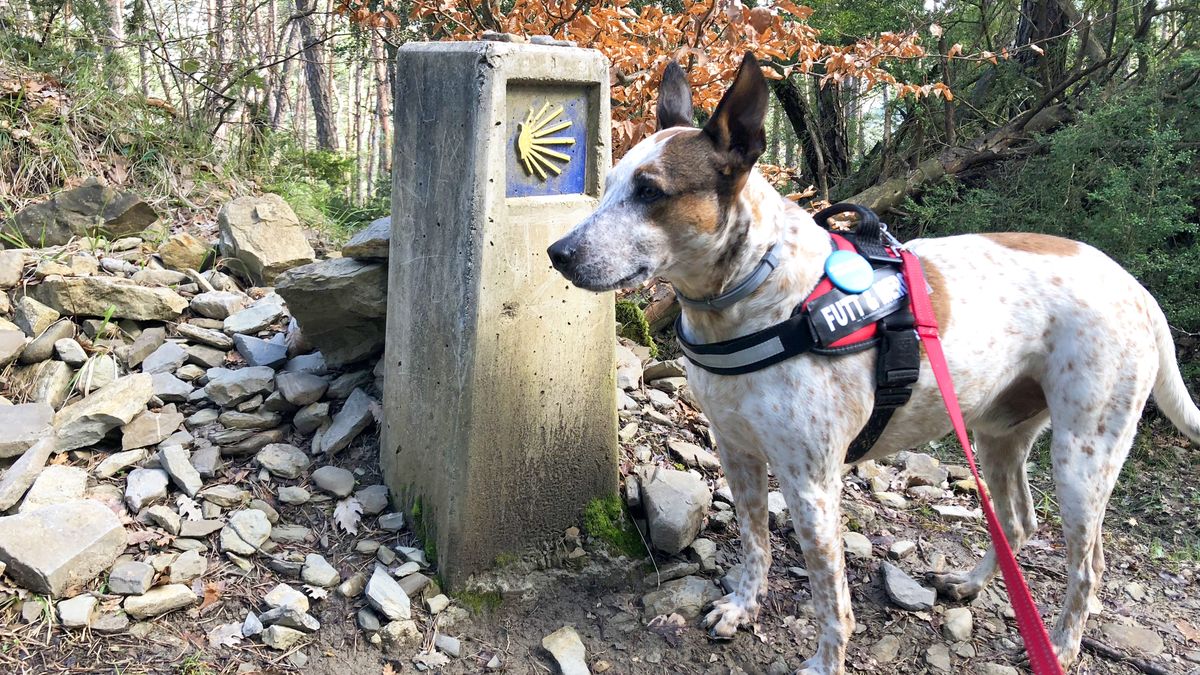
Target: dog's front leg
[747,476]
[815,503]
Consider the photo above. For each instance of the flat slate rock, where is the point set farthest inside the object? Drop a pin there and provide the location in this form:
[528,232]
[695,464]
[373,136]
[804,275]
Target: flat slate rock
[166,359]
[227,387]
[264,237]
[159,601]
[568,651]
[301,389]
[17,478]
[385,595]
[253,319]
[341,304]
[371,242]
[354,417]
[260,352]
[59,548]
[904,591]
[23,425]
[93,296]
[150,428]
[56,484]
[687,597]
[283,460]
[676,502]
[87,421]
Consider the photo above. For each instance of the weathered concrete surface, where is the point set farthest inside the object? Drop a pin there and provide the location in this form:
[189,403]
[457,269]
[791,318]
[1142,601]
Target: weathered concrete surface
[499,375]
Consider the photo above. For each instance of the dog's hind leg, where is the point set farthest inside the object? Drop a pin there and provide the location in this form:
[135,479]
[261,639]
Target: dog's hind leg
[1003,462]
[747,476]
[1085,470]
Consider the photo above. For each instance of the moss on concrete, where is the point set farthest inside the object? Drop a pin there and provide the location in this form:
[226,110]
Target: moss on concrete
[479,602]
[605,519]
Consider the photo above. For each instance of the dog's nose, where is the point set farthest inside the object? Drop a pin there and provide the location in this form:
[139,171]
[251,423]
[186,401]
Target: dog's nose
[561,252]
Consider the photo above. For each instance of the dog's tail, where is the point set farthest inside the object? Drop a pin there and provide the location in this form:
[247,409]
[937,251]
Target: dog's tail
[1169,390]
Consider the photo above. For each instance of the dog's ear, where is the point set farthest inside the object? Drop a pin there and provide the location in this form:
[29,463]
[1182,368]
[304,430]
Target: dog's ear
[674,98]
[737,126]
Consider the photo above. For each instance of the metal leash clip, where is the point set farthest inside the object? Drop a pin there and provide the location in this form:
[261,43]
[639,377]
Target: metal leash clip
[891,240]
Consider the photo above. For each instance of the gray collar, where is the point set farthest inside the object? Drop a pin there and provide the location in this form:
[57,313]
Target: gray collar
[743,288]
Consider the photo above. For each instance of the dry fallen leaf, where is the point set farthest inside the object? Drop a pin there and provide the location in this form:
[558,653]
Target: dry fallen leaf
[316,592]
[141,536]
[670,627]
[189,508]
[225,635]
[431,659]
[212,593]
[1189,632]
[347,514]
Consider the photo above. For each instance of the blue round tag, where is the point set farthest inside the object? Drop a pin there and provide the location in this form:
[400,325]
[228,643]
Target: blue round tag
[849,271]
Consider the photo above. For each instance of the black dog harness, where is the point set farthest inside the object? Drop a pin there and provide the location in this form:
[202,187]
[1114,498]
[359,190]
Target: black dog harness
[831,321]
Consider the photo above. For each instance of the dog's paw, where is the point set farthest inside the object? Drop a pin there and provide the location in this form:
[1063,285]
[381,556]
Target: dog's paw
[956,586]
[727,615]
[813,667]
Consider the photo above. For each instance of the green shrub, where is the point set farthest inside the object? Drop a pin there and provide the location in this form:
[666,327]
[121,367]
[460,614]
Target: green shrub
[1123,177]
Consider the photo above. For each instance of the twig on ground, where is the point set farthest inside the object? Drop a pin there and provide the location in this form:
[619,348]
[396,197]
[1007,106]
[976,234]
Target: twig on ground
[1113,654]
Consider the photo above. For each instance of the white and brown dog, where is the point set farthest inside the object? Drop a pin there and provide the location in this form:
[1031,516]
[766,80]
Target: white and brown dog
[1037,331]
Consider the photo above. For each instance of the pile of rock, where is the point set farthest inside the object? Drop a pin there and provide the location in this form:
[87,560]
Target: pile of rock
[158,419]
[670,488]
[675,490]
[342,302]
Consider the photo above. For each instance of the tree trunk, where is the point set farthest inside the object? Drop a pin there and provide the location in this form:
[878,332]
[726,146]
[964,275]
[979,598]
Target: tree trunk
[1042,22]
[949,124]
[359,165]
[995,145]
[113,45]
[831,122]
[383,109]
[314,71]
[284,82]
[791,98]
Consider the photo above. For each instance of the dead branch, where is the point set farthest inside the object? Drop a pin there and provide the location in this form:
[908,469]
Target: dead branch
[1113,654]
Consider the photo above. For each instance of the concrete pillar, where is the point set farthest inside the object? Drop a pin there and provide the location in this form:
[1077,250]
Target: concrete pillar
[500,413]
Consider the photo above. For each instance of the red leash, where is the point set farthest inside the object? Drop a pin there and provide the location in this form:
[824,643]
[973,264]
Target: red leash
[1029,621]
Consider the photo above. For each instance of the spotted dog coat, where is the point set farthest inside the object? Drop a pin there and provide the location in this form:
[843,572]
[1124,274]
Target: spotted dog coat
[1038,331]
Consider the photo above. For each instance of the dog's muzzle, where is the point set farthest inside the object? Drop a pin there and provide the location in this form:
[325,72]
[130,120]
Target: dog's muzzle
[562,254]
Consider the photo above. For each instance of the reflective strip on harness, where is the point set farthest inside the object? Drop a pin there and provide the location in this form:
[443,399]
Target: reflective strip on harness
[739,359]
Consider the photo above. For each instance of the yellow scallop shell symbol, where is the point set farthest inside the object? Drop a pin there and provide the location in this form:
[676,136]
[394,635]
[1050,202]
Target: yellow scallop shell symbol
[533,144]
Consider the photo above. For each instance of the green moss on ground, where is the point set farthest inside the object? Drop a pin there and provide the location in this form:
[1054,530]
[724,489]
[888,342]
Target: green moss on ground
[605,519]
[478,602]
[633,325]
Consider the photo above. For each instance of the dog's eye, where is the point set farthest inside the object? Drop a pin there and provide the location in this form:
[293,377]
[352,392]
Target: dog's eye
[648,193]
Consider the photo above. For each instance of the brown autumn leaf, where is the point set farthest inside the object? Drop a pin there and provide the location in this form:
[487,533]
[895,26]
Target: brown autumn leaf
[1188,631]
[708,37]
[212,593]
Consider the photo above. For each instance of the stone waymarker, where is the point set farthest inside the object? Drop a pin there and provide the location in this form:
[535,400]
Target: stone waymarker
[500,381]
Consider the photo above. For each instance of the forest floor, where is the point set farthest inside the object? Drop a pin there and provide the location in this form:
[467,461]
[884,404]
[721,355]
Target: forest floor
[1152,583]
[1151,542]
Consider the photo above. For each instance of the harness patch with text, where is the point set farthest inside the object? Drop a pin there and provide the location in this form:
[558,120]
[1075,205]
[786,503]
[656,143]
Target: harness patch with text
[837,314]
